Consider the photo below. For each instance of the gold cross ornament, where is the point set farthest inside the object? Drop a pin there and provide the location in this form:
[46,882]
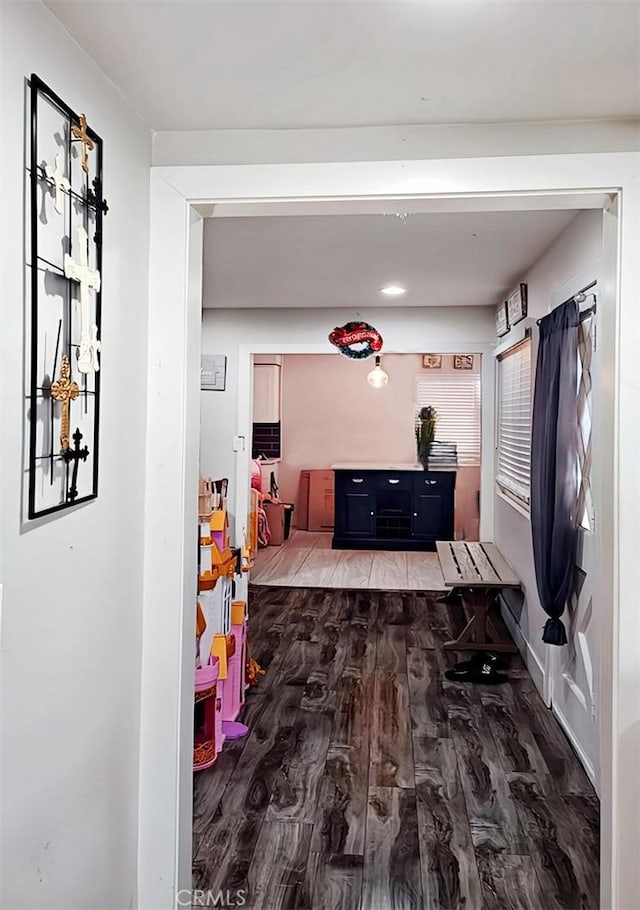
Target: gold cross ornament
[80,132]
[64,391]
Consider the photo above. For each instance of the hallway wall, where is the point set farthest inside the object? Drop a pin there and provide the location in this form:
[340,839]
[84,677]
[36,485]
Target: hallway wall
[72,583]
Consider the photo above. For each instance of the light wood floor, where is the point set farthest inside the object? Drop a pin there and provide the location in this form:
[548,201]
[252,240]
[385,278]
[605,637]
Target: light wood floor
[306,560]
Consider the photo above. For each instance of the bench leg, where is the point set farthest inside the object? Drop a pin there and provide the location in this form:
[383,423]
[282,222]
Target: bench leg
[474,636]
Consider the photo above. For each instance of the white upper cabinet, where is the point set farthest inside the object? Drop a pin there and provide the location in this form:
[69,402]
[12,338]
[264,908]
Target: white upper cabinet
[266,393]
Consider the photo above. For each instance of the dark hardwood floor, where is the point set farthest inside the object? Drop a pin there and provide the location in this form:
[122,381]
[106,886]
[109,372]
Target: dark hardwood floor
[369,782]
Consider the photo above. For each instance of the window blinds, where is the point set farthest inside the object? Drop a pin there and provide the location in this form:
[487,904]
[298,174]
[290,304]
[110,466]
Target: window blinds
[514,421]
[456,398]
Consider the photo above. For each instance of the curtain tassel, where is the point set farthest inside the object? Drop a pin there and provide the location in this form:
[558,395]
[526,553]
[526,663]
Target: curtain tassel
[554,632]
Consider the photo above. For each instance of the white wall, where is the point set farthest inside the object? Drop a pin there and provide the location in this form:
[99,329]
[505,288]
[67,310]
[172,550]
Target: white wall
[394,143]
[71,616]
[409,328]
[577,247]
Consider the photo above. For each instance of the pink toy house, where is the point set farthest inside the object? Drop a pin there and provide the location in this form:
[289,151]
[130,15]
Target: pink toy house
[238,663]
[207,739]
[219,527]
[231,651]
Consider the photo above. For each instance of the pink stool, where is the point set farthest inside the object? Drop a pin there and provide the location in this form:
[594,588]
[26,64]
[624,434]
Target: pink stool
[205,734]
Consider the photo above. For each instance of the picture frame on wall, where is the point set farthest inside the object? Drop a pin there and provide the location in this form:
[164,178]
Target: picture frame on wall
[517,305]
[213,372]
[463,361]
[432,361]
[502,319]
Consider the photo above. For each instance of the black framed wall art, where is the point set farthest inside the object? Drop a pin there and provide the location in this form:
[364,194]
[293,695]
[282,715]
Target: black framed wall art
[502,319]
[64,290]
[517,305]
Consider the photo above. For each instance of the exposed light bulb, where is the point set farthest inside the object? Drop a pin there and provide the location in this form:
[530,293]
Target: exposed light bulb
[377,378]
[393,290]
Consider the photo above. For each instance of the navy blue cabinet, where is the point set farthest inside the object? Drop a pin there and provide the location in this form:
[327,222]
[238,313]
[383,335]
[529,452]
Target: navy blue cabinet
[393,510]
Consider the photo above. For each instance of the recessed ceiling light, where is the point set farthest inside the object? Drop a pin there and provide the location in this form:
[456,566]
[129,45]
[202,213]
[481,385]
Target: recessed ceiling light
[393,290]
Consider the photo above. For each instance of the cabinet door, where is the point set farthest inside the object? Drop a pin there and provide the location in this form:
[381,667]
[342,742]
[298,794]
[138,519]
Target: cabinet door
[359,514]
[433,505]
[429,516]
[266,393]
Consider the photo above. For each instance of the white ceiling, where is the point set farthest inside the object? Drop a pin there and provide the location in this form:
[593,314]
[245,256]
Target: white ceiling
[461,259]
[188,65]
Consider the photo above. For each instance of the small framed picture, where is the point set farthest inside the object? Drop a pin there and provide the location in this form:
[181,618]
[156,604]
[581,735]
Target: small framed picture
[502,319]
[463,361]
[432,361]
[517,305]
[213,372]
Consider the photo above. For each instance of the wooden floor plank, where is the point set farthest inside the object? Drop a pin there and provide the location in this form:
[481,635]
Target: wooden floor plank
[276,878]
[391,656]
[337,882]
[449,872]
[559,841]
[297,785]
[492,813]
[389,571]
[352,569]
[391,752]
[351,725]
[424,572]
[428,711]
[510,883]
[343,804]
[282,568]
[565,770]
[515,742]
[391,879]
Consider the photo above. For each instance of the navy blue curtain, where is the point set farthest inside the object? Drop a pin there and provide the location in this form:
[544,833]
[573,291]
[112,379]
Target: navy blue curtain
[554,493]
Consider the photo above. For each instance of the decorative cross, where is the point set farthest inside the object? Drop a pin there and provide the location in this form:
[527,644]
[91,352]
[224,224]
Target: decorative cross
[94,196]
[75,455]
[80,132]
[60,182]
[89,279]
[64,391]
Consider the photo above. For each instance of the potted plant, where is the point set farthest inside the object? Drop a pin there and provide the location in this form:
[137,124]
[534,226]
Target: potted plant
[425,433]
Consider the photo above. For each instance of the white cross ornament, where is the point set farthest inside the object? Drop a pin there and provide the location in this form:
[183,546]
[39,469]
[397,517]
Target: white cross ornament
[89,280]
[60,182]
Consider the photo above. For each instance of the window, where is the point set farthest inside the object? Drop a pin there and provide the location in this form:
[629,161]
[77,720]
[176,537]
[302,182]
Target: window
[514,421]
[456,398]
[583,466]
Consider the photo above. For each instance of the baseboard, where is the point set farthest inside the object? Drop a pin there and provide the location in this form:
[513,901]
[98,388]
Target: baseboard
[534,666]
[585,761]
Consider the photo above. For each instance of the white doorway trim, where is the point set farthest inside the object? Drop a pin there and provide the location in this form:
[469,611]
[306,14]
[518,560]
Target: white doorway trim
[172,466]
[245,399]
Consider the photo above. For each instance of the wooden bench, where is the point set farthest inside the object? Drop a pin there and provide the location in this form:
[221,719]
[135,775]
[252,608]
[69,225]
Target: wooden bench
[478,571]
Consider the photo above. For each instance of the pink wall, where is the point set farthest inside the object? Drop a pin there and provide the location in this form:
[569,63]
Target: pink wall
[330,414]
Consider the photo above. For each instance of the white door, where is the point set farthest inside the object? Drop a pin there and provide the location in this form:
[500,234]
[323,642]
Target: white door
[575,667]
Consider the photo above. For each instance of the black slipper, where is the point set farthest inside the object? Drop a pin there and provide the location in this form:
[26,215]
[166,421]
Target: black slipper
[483,657]
[483,673]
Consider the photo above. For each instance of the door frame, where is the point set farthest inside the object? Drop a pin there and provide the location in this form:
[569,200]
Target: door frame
[239,498]
[178,196]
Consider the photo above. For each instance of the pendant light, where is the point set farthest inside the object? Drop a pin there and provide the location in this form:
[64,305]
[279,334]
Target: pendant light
[377,378]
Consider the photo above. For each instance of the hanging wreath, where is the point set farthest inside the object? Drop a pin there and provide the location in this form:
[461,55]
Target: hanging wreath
[356,340]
